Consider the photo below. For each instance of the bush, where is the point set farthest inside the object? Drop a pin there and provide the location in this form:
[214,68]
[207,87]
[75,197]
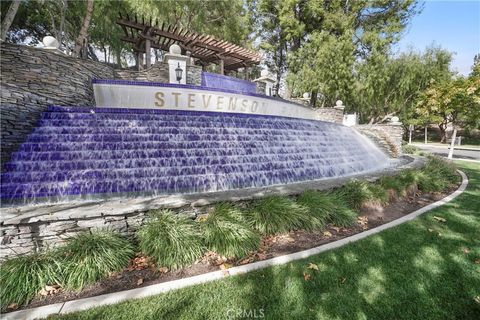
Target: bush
[409,149]
[320,205]
[436,175]
[226,234]
[342,215]
[396,183]
[172,241]
[355,193]
[277,214]
[21,278]
[92,255]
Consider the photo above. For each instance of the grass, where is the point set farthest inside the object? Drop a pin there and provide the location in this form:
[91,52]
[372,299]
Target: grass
[321,206]
[91,256]
[22,277]
[173,241]
[342,215]
[325,208]
[227,234]
[423,269]
[356,193]
[277,214]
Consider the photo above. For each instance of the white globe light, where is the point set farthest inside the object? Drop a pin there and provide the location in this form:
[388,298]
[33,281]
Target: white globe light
[306,95]
[175,49]
[264,73]
[339,103]
[395,119]
[50,42]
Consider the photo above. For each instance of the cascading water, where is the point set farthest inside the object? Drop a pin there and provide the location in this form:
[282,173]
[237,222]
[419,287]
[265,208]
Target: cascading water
[107,152]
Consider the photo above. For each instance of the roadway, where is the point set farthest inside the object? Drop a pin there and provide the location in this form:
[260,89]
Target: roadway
[462,153]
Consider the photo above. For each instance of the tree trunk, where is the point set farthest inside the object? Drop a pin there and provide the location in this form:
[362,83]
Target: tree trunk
[7,21]
[443,133]
[62,22]
[84,29]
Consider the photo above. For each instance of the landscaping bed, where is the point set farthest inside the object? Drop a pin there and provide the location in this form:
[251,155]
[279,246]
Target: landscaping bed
[357,207]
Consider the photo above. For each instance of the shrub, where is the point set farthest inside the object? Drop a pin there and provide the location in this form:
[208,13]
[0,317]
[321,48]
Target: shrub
[342,215]
[395,183]
[21,278]
[409,149]
[226,234]
[277,214]
[436,175]
[171,240]
[92,255]
[320,205]
[355,193]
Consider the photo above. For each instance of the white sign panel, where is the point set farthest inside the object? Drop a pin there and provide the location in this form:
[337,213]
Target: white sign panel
[187,98]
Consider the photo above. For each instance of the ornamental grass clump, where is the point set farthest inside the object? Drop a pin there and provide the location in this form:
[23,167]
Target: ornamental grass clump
[21,278]
[320,205]
[277,214]
[227,234]
[342,215]
[437,175]
[92,255]
[173,241]
[356,193]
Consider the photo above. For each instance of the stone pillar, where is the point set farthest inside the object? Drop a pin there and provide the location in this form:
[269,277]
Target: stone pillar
[177,65]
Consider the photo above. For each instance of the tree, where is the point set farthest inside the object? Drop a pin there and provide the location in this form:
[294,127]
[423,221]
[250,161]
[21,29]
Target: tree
[82,36]
[8,19]
[387,85]
[265,17]
[455,102]
[328,39]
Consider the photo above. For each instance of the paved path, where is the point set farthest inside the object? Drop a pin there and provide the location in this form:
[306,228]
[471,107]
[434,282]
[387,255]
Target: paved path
[443,151]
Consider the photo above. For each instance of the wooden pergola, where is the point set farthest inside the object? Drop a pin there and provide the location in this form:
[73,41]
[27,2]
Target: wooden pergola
[206,49]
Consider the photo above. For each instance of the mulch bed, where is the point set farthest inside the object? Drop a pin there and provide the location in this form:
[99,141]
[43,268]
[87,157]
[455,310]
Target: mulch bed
[141,272]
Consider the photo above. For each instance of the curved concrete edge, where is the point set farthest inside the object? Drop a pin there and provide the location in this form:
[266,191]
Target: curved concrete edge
[116,297]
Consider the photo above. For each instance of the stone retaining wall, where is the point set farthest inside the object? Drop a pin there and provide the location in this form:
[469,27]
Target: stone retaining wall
[387,136]
[33,78]
[330,114]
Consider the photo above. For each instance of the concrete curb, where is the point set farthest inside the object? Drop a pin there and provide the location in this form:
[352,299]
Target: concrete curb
[116,297]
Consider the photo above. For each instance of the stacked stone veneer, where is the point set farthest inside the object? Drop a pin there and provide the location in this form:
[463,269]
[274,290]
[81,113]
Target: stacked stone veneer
[33,78]
[387,136]
[330,114]
[38,233]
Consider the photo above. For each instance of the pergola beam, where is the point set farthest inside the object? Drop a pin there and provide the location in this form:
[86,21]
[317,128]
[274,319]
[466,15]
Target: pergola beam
[204,48]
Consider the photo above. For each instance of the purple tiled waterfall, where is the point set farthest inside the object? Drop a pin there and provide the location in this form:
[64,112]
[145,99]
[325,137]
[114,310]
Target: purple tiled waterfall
[79,151]
[218,81]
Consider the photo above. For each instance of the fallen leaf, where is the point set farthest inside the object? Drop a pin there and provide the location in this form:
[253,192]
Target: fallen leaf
[225,266]
[312,266]
[13,306]
[163,270]
[477,261]
[306,276]
[342,281]
[139,281]
[439,219]
[43,292]
[466,250]
[430,230]
[244,261]
[327,234]
[477,299]
[261,256]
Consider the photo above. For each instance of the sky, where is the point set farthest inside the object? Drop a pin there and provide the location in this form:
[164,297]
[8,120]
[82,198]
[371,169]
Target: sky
[452,24]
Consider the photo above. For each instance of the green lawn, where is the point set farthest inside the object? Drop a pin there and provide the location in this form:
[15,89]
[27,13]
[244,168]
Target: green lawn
[423,269]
